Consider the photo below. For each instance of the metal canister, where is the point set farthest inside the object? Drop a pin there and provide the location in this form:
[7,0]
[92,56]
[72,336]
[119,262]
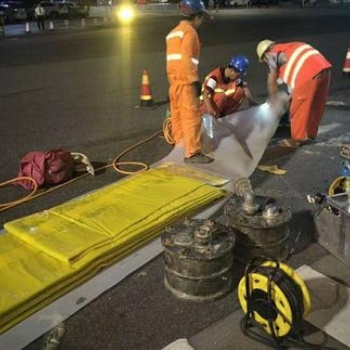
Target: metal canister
[198,259]
[264,232]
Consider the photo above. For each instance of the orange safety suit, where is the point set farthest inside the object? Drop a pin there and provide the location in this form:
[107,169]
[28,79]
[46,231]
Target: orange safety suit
[307,74]
[182,56]
[226,95]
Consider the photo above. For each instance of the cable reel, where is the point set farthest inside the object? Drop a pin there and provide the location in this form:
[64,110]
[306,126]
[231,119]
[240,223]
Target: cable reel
[275,300]
[341,183]
[337,186]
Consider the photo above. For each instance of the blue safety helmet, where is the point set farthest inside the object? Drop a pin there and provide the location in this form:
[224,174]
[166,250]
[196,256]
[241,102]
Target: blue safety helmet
[240,64]
[191,7]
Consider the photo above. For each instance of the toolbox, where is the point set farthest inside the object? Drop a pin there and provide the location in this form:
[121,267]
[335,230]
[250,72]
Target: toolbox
[333,226]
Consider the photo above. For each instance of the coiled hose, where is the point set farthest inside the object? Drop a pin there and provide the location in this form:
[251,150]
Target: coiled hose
[117,165]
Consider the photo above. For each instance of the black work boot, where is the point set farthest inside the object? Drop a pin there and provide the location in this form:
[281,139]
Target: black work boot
[199,158]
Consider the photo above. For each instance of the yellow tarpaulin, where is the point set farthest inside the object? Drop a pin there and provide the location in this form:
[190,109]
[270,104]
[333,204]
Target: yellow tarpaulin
[67,244]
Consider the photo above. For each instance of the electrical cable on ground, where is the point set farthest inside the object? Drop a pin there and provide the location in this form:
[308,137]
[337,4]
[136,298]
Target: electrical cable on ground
[116,165]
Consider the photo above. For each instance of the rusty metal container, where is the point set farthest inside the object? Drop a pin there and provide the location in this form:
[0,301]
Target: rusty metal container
[332,223]
[264,231]
[198,259]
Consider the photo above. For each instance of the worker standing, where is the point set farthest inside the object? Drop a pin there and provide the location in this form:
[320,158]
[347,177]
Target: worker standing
[224,89]
[40,16]
[306,72]
[182,56]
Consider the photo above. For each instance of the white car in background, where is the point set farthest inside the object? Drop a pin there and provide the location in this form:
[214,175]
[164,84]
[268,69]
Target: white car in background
[51,9]
[321,3]
[13,11]
[339,2]
[72,9]
[62,9]
[240,3]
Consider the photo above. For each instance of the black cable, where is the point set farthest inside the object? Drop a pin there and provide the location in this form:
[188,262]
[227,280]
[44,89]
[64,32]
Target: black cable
[256,301]
[277,276]
[290,289]
[249,321]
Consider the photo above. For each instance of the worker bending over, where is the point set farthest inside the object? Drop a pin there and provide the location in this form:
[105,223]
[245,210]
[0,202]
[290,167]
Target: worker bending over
[306,72]
[224,89]
[182,56]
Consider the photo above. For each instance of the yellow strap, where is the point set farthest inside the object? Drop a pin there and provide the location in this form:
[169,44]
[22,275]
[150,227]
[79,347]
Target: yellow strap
[272,169]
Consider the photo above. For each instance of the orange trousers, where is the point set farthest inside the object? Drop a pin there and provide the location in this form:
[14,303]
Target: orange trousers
[307,106]
[186,118]
[225,105]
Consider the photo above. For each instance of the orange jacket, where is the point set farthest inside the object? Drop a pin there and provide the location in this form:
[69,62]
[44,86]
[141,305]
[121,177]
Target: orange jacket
[182,54]
[215,82]
[303,63]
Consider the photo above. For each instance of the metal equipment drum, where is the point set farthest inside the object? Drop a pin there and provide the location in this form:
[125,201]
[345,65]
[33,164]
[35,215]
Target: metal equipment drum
[262,232]
[198,259]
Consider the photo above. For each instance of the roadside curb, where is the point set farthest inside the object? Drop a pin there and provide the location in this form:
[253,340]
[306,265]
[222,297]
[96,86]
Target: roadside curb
[58,27]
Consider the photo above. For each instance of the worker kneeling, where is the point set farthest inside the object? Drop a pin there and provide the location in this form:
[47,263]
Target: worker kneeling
[224,89]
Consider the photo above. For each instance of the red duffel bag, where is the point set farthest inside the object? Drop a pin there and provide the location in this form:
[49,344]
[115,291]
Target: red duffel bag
[46,168]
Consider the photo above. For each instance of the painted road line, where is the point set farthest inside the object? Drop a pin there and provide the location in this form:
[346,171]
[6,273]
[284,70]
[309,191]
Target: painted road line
[330,304]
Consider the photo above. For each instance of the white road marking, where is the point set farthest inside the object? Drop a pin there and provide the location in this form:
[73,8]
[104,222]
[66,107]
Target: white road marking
[330,304]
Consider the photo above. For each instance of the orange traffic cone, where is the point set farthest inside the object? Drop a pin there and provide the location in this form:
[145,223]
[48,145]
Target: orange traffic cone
[346,67]
[146,95]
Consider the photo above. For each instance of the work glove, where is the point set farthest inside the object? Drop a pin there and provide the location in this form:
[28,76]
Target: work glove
[197,88]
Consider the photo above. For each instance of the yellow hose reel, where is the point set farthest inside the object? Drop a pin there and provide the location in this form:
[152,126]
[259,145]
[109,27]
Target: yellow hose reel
[274,298]
[337,186]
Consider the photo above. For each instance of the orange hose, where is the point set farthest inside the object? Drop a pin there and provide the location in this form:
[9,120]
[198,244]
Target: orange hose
[31,194]
[167,131]
[116,164]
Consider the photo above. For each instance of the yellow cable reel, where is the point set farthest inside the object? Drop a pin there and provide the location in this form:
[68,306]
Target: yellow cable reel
[277,297]
[337,186]
[298,280]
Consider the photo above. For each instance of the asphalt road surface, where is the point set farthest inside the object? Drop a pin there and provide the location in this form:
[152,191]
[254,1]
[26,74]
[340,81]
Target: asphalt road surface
[80,90]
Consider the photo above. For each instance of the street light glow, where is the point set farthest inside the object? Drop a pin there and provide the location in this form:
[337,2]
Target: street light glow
[126,13]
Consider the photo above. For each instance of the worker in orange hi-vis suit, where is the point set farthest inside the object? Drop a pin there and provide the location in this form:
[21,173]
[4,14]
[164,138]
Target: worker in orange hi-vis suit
[182,55]
[307,74]
[224,89]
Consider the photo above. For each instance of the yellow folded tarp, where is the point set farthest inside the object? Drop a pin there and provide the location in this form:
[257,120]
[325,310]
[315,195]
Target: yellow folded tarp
[44,255]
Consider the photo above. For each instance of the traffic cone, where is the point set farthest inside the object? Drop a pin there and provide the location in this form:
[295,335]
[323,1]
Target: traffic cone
[51,27]
[27,28]
[146,95]
[346,67]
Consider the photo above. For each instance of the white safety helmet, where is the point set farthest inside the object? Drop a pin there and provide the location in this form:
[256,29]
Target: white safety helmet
[263,47]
